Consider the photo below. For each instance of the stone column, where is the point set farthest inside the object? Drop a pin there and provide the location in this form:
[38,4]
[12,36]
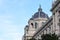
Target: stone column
[53,28]
[39,36]
[48,30]
[45,32]
[56,23]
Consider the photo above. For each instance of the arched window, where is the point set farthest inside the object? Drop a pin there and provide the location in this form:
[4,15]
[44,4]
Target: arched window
[59,22]
[32,25]
[59,11]
[36,25]
[27,31]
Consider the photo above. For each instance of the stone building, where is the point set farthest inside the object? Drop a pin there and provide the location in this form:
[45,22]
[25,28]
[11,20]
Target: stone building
[40,23]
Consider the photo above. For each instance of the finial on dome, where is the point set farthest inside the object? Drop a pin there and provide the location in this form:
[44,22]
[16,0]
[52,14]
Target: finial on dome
[39,6]
[39,9]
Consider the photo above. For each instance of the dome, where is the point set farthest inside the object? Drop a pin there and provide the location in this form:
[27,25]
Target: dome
[39,14]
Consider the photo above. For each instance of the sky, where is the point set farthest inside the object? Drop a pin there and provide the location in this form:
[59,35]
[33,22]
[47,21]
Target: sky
[14,16]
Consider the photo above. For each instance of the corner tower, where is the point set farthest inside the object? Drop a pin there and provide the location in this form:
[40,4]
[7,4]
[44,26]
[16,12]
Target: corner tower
[34,23]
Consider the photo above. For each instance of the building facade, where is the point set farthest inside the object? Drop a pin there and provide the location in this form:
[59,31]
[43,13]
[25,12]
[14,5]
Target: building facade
[40,23]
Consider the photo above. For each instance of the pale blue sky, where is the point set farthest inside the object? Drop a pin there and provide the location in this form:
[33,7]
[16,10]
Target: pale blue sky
[14,15]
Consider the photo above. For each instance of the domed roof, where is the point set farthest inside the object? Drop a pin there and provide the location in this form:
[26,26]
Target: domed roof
[39,14]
